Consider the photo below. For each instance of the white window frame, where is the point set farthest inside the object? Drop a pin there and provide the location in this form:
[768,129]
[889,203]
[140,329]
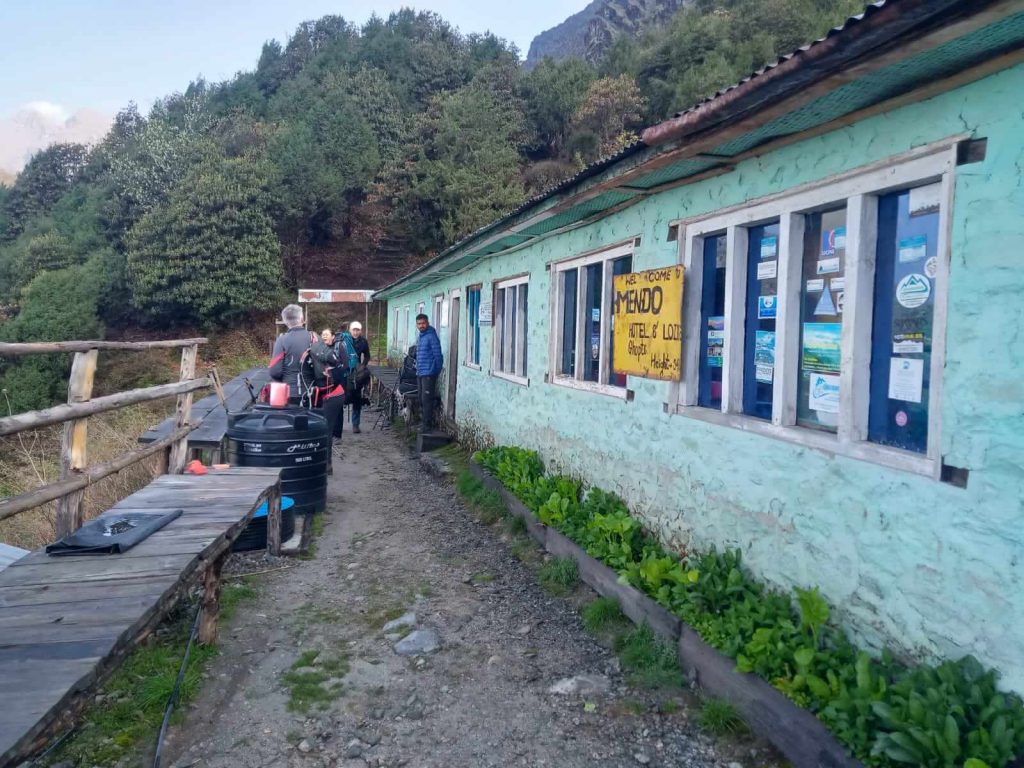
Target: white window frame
[436,315]
[859,190]
[405,328]
[498,333]
[397,325]
[469,329]
[606,255]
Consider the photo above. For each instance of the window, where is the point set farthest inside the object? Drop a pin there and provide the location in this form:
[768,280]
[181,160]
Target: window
[473,326]
[405,328]
[510,328]
[419,308]
[582,350]
[816,317]
[438,304]
[395,338]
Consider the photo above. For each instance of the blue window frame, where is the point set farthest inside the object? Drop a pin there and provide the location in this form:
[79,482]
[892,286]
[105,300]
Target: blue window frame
[759,328]
[473,320]
[712,323]
[904,318]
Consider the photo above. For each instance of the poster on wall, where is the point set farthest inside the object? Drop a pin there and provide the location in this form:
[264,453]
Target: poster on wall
[764,356]
[486,312]
[824,393]
[716,341]
[821,347]
[647,336]
[906,377]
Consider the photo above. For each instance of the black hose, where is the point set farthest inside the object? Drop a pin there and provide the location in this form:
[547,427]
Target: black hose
[177,687]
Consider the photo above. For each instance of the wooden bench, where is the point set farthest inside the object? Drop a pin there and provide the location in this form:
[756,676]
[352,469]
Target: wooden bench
[67,622]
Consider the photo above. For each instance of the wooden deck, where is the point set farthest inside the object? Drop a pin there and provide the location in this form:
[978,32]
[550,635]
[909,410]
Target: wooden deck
[66,622]
[208,411]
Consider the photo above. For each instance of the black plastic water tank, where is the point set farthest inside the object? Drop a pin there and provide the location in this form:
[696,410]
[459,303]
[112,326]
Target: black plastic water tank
[296,439]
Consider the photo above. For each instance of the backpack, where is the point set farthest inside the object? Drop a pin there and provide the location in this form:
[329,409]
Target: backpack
[350,350]
[313,369]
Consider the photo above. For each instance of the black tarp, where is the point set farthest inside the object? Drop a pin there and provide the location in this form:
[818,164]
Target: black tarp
[111,534]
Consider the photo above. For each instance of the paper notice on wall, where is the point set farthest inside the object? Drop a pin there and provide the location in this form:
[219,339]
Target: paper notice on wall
[767,270]
[486,311]
[906,377]
[823,394]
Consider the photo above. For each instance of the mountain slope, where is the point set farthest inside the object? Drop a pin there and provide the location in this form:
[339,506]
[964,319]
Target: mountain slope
[589,33]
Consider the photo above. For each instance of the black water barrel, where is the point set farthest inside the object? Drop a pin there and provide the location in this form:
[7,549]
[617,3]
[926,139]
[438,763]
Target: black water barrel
[296,439]
[255,534]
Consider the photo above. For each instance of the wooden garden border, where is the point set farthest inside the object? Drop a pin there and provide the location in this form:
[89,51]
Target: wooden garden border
[800,736]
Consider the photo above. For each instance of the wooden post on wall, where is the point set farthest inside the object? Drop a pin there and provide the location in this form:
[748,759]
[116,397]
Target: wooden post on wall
[73,445]
[178,455]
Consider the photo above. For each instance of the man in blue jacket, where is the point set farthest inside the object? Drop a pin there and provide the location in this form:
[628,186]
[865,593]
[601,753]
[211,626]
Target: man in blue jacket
[429,362]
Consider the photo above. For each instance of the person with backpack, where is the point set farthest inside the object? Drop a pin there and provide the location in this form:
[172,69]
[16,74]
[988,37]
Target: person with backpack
[429,362]
[339,374]
[360,374]
[286,358]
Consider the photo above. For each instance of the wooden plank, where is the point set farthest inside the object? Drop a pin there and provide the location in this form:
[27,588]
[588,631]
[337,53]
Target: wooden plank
[10,425]
[183,412]
[73,445]
[67,613]
[274,522]
[50,347]
[20,595]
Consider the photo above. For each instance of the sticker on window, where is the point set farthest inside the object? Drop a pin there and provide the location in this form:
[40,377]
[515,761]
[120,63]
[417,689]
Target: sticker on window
[931,267]
[913,248]
[833,240]
[716,341]
[906,376]
[766,306]
[828,266]
[769,247]
[825,305]
[821,347]
[824,393]
[767,270]
[908,344]
[764,356]
[913,290]
[813,286]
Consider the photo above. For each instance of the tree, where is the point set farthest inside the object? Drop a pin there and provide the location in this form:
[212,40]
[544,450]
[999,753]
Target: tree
[552,92]
[45,179]
[611,107]
[209,253]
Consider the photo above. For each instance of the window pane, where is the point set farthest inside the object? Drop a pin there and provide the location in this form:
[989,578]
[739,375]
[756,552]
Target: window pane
[621,266]
[904,317]
[568,362]
[524,325]
[511,326]
[821,319]
[712,323]
[592,321]
[759,328]
[473,305]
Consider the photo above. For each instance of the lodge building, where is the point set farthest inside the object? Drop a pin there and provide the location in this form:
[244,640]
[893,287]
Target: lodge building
[838,403]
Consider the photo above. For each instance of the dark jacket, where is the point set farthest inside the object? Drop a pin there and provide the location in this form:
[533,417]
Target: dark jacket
[344,366]
[287,356]
[429,360]
[362,350]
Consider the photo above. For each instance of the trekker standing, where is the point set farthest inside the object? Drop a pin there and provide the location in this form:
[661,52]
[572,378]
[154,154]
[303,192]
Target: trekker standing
[339,376]
[429,362]
[359,374]
[286,359]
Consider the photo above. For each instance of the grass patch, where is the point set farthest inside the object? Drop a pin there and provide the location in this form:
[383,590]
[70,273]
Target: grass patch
[649,661]
[378,618]
[316,529]
[454,456]
[559,576]
[135,697]
[720,717]
[523,549]
[482,578]
[313,683]
[487,503]
[603,615]
[515,525]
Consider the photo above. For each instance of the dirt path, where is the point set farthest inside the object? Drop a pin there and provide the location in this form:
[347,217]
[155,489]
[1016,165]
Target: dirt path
[397,539]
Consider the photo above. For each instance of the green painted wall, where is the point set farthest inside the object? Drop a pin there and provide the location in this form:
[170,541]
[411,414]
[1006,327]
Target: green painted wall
[907,561]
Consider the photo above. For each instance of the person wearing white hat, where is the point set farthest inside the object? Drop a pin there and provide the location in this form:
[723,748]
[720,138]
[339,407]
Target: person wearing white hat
[360,373]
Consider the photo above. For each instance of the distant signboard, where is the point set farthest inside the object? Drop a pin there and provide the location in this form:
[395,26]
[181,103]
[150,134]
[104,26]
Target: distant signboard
[334,296]
[648,311]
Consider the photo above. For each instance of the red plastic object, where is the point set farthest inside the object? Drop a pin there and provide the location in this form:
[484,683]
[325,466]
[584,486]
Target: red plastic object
[195,467]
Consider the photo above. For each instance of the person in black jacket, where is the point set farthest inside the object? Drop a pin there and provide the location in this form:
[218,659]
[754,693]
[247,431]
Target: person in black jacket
[339,374]
[289,347]
[359,374]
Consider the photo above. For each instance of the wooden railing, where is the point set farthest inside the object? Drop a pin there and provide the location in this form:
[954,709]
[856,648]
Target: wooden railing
[76,475]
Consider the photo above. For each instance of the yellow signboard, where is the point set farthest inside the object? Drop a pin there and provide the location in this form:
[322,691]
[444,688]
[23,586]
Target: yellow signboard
[648,311]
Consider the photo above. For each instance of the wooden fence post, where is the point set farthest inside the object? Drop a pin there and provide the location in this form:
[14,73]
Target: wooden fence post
[183,412]
[274,521]
[73,445]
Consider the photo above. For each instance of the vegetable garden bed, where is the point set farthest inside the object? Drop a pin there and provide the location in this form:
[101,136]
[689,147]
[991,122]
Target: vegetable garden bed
[887,714]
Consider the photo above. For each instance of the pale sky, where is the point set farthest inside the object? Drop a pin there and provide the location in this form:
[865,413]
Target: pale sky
[101,54]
